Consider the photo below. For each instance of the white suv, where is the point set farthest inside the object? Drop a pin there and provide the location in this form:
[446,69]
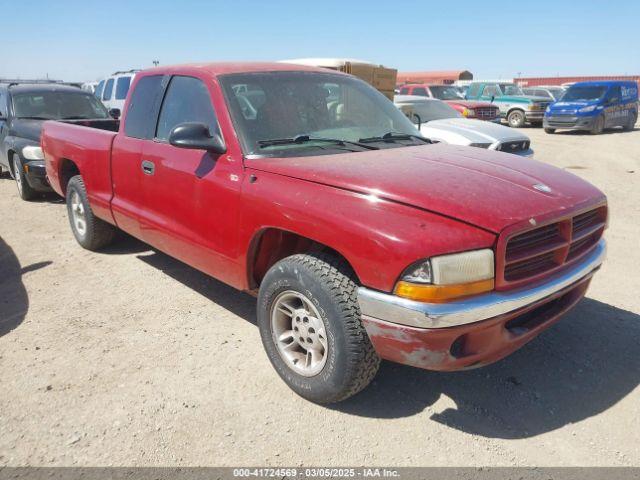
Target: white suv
[113,89]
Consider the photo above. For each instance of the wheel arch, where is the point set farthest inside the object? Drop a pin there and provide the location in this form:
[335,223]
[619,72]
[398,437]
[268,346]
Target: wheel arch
[66,171]
[271,244]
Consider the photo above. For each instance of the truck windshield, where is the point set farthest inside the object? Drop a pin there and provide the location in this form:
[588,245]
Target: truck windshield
[511,89]
[422,112]
[443,92]
[54,105]
[267,107]
[583,93]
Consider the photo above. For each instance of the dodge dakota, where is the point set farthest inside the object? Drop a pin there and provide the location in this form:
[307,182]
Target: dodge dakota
[360,238]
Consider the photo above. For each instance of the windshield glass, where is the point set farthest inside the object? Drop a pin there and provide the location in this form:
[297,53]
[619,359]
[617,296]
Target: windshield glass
[443,92]
[583,93]
[58,105]
[422,112]
[557,92]
[511,89]
[284,105]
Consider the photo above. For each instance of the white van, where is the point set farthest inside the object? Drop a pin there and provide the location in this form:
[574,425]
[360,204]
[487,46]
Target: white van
[113,89]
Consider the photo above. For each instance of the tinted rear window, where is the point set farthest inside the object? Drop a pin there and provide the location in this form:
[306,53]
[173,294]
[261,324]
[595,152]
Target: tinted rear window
[140,121]
[122,87]
[108,89]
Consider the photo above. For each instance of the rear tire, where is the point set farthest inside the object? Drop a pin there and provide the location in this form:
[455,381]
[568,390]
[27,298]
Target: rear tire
[90,232]
[310,325]
[598,126]
[24,189]
[631,123]
[549,130]
[516,119]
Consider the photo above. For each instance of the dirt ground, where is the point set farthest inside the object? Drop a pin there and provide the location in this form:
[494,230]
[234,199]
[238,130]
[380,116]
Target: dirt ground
[128,357]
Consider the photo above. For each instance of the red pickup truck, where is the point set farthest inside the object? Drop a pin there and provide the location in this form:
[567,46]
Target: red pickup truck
[451,95]
[361,239]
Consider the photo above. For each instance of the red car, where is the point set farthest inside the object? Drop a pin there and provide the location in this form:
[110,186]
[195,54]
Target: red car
[360,238]
[451,95]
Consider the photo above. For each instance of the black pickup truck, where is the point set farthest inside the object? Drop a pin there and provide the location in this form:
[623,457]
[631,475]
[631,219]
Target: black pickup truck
[24,107]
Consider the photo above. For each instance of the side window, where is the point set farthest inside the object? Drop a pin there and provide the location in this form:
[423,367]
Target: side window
[474,90]
[491,90]
[186,100]
[108,89]
[420,91]
[122,87]
[140,120]
[99,88]
[404,91]
[614,94]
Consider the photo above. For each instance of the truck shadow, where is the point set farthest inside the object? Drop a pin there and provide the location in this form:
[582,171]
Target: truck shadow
[577,369]
[14,302]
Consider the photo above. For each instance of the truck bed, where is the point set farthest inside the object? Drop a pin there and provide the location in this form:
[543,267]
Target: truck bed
[84,146]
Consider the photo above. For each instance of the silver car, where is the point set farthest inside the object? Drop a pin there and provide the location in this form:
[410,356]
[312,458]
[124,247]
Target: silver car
[441,123]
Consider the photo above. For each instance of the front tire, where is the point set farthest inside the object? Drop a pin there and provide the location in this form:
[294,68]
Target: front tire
[516,119]
[90,232]
[24,189]
[310,325]
[598,126]
[549,130]
[631,123]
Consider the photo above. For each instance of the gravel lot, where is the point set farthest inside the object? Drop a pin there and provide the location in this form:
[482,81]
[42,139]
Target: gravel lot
[128,357]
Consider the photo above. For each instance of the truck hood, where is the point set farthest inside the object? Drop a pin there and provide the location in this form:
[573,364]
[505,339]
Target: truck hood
[477,131]
[521,99]
[488,189]
[27,129]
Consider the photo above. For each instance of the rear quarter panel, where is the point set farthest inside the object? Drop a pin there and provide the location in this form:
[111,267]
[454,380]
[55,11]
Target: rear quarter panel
[90,150]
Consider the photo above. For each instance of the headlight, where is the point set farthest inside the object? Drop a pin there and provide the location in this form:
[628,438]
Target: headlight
[590,108]
[32,153]
[446,277]
[470,112]
[548,108]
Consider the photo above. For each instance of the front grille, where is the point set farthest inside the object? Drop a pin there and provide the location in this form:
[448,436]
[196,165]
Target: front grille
[486,113]
[514,147]
[547,248]
[562,119]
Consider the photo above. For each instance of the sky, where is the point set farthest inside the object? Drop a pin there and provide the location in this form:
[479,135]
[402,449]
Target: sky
[85,40]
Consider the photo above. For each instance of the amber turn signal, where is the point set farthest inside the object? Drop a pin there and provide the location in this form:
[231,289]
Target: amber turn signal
[442,293]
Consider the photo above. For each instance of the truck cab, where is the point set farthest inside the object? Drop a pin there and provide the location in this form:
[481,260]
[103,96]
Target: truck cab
[594,106]
[516,107]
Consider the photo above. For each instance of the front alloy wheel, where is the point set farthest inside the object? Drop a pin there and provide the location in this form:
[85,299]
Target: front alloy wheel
[24,189]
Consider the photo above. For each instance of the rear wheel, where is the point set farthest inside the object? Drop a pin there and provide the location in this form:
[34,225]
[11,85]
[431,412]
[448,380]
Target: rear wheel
[90,232]
[24,189]
[598,125]
[310,325]
[549,130]
[516,119]
[631,123]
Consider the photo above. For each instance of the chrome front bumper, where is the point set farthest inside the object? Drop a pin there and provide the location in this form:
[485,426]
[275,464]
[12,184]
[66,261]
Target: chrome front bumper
[394,309]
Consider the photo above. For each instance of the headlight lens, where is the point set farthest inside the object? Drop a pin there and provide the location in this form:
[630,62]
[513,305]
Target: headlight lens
[548,109]
[590,108]
[32,153]
[446,277]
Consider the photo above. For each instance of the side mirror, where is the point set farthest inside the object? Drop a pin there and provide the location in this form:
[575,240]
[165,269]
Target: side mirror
[196,136]
[114,113]
[493,97]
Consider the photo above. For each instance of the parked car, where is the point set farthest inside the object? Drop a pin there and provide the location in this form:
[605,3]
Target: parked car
[439,122]
[113,89]
[452,95]
[594,106]
[23,110]
[361,239]
[551,93]
[516,107]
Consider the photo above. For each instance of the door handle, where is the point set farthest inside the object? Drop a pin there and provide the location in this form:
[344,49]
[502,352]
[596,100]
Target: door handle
[148,168]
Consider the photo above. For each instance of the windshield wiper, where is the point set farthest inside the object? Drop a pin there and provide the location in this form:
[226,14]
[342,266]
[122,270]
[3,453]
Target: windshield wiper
[76,117]
[392,136]
[306,139]
[34,118]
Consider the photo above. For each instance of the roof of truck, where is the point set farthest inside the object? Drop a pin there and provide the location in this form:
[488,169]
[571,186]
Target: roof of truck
[224,68]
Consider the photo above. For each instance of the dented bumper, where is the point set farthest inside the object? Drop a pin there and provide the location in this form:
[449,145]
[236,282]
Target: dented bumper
[473,332]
